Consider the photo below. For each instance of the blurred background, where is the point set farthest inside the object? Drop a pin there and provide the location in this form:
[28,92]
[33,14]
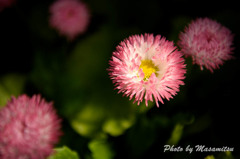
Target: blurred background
[97,122]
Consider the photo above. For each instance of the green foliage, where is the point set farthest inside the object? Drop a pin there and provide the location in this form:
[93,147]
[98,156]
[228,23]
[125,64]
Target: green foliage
[210,157]
[100,149]
[89,112]
[96,119]
[11,85]
[88,120]
[64,153]
[221,155]
[176,134]
[117,126]
[200,124]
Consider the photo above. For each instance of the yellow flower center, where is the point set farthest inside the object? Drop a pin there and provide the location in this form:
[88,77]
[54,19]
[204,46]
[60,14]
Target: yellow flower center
[148,68]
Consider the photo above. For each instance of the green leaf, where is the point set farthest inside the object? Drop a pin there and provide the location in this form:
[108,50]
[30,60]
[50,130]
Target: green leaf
[10,85]
[101,149]
[88,120]
[116,127]
[176,134]
[64,153]
[210,157]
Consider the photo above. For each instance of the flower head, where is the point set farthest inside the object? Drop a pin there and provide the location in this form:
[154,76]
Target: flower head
[29,127]
[207,42]
[69,17]
[145,66]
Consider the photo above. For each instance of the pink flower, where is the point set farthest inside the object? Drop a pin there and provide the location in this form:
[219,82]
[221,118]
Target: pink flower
[6,3]
[207,42]
[145,66]
[69,17]
[29,127]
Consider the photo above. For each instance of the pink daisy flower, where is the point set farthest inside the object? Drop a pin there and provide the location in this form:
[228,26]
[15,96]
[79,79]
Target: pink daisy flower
[145,66]
[207,42]
[69,17]
[6,3]
[29,127]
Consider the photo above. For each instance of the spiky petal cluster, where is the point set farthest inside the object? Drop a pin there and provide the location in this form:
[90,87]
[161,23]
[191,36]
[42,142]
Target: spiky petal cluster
[207,42]
[145,66]
[29,127]
[69,17]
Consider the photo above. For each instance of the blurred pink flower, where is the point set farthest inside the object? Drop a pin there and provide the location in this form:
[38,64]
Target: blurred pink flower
[69,17]
[29,127]
[145,66]
[6,3]
[207,42]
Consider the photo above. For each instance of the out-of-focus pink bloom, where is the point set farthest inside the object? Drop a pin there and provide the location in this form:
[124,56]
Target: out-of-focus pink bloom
[6,3]
[29,127]
[207,42]
[145,66]
[69,17]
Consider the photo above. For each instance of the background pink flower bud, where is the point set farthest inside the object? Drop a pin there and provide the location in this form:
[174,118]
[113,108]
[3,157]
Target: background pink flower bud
[6,3]
[69,17]
[207,42]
